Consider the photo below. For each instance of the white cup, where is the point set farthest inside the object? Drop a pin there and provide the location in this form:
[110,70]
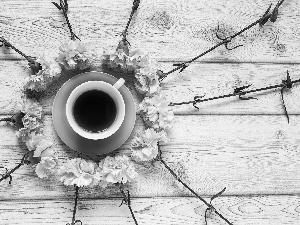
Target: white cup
[112,91]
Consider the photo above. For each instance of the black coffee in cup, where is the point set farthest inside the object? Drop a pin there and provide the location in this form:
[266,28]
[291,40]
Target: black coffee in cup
[94,111]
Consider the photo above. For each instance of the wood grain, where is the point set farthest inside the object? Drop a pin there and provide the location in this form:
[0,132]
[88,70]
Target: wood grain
[168,29]
[199,79]
[246,154]
[245,146]
[261,210]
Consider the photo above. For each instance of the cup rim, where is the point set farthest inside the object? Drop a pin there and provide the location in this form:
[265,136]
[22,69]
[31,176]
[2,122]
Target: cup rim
[96,85]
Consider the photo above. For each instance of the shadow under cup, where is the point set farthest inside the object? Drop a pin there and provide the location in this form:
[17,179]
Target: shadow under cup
[95,109]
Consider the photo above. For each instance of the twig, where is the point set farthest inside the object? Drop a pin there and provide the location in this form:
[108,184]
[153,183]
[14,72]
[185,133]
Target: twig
[34,65]
[286,84]
[7,119]
[74,221]
[126,199]
[63,5]
[225,41]
[8,174]
[209,205]
[134,8]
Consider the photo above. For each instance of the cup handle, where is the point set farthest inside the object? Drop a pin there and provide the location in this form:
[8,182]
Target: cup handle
[119,83]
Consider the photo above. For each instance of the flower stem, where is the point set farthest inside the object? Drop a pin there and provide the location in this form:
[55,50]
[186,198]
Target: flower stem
[34,66]
[29,59]
[127,200]
[64,7]
[73,36]
[235,93]
[225,42]
[134,8]
[185,64]
[186,186]
[9,173]
[75,206]
[7,119]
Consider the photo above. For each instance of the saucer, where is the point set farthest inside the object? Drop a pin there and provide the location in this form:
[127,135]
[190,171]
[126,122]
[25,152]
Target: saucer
[74,140]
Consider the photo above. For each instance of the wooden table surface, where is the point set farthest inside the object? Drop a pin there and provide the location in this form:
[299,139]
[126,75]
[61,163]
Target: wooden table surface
[246,146]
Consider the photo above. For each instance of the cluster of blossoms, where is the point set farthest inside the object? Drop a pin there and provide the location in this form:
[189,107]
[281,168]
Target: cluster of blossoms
[30,131]
[154,108]
[144,68]
[111,170]
[73,55]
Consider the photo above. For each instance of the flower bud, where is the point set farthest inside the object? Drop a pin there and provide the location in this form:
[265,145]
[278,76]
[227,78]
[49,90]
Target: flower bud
[35,66]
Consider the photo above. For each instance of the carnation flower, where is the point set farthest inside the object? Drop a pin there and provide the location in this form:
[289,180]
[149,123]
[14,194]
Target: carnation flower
[44,168]
[31,126]
[35,82]
[39,145]
[156,112]
[139,59]
[144,146]
[124,59]
[117,60]
[118,169]
[31,121]
[50,70]
[79,172]
[147,78]
[31,108]
[74,55]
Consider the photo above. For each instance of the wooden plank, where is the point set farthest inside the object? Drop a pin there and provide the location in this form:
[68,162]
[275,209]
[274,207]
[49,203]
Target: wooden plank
[199,79]
[246,154]
[168,29]
[260,210]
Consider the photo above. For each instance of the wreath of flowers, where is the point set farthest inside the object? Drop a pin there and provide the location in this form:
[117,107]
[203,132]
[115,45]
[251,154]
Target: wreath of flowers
[154,109]
[112,170]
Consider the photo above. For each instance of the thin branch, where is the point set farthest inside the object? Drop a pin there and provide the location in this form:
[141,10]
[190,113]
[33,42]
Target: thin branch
[7,119]
[135,6]
[76,201]
[8,174]
[209,205]
[230,95]
[7,44]
[225,41]
[239,92]
[34,65]
[284,107]
[127,201]
[63,5]
[74,221]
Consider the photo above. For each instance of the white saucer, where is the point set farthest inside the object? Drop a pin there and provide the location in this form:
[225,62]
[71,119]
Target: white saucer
[74,140]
